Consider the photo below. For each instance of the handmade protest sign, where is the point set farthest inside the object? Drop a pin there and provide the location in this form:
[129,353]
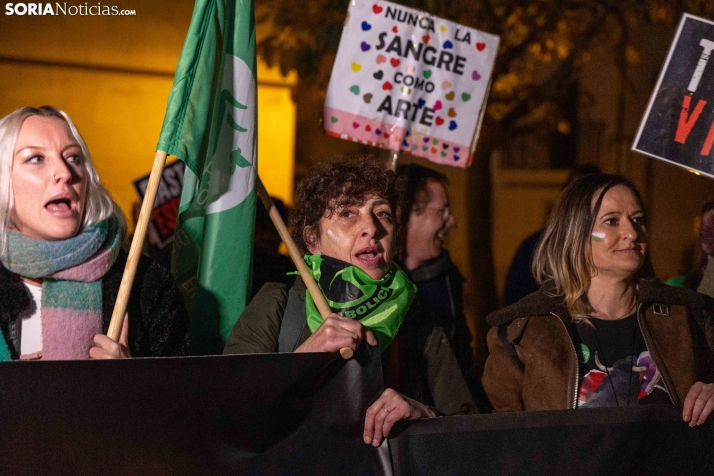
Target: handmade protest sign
[163,215]
[408,81]
[678,126]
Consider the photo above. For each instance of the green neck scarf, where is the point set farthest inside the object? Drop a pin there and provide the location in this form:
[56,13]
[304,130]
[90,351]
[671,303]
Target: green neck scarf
[379,304]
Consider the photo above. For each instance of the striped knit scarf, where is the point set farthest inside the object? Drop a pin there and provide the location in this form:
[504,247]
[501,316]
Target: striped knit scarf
[71,271]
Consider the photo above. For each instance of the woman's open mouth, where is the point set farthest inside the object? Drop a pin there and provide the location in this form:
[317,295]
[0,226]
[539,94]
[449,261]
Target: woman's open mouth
[60,206]
[370,256]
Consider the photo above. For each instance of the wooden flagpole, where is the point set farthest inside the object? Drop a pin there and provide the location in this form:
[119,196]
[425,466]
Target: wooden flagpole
[137,243]
[296,256]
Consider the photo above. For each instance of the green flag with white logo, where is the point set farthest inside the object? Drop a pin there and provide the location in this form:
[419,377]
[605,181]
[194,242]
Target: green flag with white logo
[211,125]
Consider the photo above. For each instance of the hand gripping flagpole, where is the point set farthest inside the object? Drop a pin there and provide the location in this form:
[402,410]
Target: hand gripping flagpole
[296,256]
[137,242]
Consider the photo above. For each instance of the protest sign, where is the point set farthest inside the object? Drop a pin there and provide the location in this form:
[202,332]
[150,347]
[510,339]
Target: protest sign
[677,126]
[409,81]
[266,414]
[163,215]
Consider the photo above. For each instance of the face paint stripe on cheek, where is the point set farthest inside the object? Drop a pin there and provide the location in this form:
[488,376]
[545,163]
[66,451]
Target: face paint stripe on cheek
[331,235]
[598,236]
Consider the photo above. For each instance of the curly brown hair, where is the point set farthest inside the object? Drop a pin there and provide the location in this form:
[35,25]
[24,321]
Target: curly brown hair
[332,185]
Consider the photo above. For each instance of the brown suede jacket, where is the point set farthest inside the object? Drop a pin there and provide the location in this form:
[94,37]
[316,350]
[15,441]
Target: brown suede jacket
[533,366]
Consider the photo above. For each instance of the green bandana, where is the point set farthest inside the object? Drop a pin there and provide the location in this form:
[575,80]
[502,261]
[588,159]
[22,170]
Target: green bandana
[379,304]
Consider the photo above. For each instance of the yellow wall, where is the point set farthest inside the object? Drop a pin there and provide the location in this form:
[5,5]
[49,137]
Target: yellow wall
[112,75]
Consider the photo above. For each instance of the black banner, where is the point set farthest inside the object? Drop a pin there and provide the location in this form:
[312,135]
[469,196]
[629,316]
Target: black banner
[679,123]
[249,414]
[644,440]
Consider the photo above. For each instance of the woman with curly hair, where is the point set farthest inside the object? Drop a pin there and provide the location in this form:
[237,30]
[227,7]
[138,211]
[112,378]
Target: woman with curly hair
[344,221]
[601,332]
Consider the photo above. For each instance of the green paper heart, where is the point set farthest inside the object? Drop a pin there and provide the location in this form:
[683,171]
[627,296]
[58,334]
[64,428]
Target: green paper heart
[435,141]
[427,73]
[333,119]
[465,96]
[354,89]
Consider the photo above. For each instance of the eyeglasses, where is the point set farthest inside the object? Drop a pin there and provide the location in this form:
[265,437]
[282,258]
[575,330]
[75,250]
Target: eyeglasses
[445,212]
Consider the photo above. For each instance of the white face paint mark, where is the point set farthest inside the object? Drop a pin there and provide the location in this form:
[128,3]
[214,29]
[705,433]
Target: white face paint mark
[331,235]
[598,236]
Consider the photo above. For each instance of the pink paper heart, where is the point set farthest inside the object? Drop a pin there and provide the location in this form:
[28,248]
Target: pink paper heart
[437,105]
[410,69]
[446,85]
[381,59]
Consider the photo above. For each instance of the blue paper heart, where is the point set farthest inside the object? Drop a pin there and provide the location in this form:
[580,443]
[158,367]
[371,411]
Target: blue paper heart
[366,26]
[378,131]
[365,46]
[457,149]
[420,103]
[456,158]
[452,125]
[448,45]
[405,143]
[426,139]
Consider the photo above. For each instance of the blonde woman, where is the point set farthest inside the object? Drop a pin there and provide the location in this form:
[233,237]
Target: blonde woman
[600,332]
[60,257]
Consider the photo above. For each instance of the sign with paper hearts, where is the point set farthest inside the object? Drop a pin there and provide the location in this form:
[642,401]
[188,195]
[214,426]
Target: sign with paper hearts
[409,81]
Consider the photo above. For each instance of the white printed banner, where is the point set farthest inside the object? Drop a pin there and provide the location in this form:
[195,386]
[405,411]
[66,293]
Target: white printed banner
[408,81]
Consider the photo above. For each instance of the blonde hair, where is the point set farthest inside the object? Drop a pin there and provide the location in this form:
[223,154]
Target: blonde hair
[563,256]
[98,204]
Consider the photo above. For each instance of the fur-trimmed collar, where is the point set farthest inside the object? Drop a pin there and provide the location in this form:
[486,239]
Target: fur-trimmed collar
[543,302]
[14,296]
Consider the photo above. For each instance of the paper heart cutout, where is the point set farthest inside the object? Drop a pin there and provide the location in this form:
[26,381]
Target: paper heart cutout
[446,85]
[365,46]
[395,29]
[356,67]
[437,105]
[456,149]
[452,125]
[394,62]
[367,128]
[376,9]
[433,150]
[448,45]
[480,46]
[378,75]
[435,141]
[355,125]
[378,131]
[366,26]
[452,112]
[439,121]
[449,95]
[333,119]
[465,97]
[443,154]
[386,135]
[410,69]
[381,59]
[443,28]
[427,73]
[367,97]
[456,158]
[426,139]
[425,38]
[445,145]
[415,147]
[475,75]
[420,103]
[425,148]
[387,86]
[354,89]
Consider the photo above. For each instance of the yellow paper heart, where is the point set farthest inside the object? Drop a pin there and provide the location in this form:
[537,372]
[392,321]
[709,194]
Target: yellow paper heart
[450,96]
[356,67]
[443,28]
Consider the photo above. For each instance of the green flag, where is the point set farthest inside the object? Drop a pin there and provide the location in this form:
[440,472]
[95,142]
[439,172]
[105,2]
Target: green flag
[211,124]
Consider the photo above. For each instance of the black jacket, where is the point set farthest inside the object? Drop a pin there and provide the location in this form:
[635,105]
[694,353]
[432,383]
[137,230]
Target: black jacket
[158,321]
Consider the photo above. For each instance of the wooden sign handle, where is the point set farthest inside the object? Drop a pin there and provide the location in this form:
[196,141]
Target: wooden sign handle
[296,256]
[137,243]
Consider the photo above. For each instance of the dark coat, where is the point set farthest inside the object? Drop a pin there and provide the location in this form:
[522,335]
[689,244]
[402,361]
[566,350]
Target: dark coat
[543,374]
[158,322]
[427,369]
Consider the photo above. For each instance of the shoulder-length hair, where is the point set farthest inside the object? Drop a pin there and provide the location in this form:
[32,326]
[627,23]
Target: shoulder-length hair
[98,204]
[563,256]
